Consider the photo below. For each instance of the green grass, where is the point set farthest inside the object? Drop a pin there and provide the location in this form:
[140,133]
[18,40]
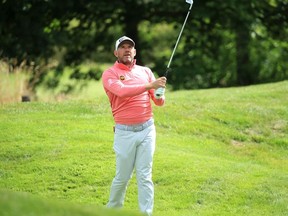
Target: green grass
[219,152]
[12,203]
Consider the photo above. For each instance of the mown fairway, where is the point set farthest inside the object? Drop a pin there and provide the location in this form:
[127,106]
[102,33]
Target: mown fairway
[219,152]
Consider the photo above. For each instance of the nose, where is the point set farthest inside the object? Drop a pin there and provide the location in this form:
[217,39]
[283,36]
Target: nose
[128,48]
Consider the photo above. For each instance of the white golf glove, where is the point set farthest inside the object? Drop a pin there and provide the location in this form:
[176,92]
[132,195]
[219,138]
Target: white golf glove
[159,93]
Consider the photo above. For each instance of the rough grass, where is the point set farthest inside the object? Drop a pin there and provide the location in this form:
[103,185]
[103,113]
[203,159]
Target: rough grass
[15,204]
[219,152]
[12,85]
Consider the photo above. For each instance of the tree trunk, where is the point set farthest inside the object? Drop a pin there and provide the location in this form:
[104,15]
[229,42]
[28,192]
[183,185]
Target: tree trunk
[132,20]
[245,73]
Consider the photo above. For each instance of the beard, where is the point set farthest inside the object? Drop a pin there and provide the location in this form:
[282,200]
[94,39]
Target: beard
[126,60]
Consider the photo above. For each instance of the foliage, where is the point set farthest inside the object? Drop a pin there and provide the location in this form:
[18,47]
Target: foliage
[231,48]
[224,43]
[219,152]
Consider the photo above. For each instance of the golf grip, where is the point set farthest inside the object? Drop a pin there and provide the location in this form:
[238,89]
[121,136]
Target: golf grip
[159,92]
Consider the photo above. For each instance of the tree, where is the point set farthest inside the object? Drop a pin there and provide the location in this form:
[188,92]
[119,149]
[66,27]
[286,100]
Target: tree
[223,44]
[231,27]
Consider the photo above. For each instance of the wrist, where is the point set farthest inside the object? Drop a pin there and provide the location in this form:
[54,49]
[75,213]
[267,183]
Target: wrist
[148,86]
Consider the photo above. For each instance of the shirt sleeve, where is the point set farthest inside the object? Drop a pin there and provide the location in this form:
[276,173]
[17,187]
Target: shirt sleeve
[157,102]
[112,83]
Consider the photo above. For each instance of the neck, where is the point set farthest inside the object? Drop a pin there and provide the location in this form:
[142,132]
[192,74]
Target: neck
[128,64]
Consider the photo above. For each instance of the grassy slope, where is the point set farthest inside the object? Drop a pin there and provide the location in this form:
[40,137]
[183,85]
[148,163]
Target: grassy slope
[219,151]
[17,204]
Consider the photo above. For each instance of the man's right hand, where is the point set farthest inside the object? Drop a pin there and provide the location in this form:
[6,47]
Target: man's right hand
[158,83]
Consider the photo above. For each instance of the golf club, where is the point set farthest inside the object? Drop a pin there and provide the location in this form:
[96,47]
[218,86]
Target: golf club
[160,91]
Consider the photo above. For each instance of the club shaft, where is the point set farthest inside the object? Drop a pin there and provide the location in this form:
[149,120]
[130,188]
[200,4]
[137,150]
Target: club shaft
[178,39]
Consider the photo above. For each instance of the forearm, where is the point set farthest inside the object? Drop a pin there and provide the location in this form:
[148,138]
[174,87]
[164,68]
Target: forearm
[127,90]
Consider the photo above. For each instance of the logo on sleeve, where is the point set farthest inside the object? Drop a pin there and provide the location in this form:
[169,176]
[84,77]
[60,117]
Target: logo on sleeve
[122,77]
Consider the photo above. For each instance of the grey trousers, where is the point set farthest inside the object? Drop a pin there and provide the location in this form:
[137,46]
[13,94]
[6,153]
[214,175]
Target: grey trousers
[134,150]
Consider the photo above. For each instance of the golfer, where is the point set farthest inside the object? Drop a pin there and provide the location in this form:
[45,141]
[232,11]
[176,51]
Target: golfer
[130,89]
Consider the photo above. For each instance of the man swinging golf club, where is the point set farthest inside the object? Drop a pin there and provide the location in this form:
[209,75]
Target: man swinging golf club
[130,89]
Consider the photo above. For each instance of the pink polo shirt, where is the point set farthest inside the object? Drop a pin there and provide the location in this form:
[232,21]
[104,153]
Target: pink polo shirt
[129,99]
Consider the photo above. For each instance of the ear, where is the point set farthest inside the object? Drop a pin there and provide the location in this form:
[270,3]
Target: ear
[134,52]
[116,53]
